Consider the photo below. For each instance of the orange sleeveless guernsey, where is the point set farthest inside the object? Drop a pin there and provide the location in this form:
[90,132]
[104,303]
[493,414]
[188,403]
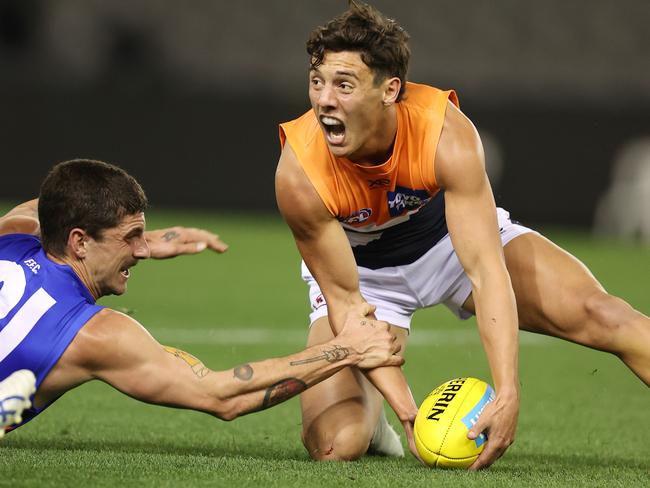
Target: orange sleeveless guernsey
[377,205]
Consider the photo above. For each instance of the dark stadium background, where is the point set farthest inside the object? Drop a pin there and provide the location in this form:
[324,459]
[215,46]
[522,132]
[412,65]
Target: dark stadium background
[187,95]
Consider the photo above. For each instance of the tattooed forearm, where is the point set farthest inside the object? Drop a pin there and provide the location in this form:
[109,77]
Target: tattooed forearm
[197,366]
[336,354]
[169,235]
[283,390]
[243,372]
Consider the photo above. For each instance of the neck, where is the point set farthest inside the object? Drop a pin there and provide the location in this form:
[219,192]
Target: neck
[80,270]
[379,147]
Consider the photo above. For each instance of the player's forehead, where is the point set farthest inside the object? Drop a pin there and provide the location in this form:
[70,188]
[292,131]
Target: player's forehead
[343,63]
[129,224]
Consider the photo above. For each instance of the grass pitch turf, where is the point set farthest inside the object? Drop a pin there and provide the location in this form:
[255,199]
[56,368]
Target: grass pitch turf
[584,417]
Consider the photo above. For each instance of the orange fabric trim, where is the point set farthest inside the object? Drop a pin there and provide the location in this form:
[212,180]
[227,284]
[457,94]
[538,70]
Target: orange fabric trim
[357,194]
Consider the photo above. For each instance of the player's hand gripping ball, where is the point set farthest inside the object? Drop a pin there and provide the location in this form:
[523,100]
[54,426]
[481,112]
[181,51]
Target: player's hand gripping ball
[444,419]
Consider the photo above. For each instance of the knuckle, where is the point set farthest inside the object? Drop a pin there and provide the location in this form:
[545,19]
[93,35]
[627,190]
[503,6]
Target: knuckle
[504,443]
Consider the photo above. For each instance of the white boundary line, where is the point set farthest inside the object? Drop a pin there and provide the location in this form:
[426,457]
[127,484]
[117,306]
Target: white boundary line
[229,335]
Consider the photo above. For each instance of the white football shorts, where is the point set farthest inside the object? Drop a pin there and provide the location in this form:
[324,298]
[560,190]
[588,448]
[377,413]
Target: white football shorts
[398,291]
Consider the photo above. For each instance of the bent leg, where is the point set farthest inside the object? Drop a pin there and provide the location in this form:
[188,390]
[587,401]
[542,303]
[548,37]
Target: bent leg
[557,295]
[339,415]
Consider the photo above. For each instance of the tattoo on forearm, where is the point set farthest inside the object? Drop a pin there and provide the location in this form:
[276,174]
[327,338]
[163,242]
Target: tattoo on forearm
[283,390]
[334,355]
[243,372]
[169,235]
[198,368]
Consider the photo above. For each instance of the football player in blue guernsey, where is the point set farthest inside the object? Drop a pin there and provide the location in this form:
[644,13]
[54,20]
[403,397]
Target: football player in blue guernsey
[80,245]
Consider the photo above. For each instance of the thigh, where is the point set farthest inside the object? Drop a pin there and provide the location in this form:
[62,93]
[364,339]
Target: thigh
[551,287]
[344,403]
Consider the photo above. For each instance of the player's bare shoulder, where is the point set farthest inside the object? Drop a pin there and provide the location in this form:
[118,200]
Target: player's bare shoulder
[23,219]
[93,346]
[298,200]
[103,338]
[290,178]
[460,153]
[289,175]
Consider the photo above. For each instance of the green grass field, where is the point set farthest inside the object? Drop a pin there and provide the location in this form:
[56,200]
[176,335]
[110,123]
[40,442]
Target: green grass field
[584,418]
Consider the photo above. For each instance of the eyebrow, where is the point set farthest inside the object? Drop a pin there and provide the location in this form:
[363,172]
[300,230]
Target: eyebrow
[351,74]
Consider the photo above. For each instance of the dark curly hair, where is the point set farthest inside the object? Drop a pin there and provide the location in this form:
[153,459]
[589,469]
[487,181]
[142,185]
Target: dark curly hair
[88,194]
[381,42]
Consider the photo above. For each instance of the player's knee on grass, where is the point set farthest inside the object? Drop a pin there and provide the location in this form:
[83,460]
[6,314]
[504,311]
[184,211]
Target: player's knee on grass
[347,444]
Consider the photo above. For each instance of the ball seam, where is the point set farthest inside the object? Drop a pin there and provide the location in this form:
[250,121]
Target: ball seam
[451,423]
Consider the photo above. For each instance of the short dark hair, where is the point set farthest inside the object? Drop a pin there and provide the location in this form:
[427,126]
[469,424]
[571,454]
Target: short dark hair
[381,42]
[90,195]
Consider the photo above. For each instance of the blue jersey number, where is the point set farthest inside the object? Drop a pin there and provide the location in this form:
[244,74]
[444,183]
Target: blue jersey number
[12,289]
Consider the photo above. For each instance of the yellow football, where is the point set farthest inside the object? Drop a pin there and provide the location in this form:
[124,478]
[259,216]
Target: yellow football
[445,417]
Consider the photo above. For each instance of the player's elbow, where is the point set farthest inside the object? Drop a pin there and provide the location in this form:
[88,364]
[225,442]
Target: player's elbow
[489,276]
[228,415]
[223,410]
[228,409]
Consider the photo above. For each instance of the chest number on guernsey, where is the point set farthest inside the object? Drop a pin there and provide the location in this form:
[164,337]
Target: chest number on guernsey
[12,289]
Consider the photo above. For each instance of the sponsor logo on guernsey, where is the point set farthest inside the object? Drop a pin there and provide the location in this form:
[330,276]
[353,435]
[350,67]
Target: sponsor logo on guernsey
[405,199]
[357,217]
[33,265]
[472,417]
[378,183]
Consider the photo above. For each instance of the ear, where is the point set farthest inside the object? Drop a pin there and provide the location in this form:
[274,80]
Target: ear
[77,243]
[392,87]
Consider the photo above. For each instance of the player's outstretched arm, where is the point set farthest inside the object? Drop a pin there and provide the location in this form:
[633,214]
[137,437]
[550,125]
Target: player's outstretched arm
[472,223]
[175,241]
[328,255]
[116,349]
[363,342]
[163,243]
[22,219]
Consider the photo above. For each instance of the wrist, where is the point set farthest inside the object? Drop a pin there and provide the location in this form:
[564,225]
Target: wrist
[339,352]
[509,391]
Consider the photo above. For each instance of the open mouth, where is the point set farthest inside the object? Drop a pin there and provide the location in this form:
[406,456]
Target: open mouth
[334,130]
[126,270]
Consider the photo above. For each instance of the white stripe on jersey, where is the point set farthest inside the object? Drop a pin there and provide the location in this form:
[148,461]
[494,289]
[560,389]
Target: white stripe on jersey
[24,321]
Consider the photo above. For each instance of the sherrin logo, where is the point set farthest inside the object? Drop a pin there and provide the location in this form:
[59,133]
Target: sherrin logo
[448,393]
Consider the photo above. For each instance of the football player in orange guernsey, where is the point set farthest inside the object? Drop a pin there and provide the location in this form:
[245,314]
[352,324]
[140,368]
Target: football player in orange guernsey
[383,184]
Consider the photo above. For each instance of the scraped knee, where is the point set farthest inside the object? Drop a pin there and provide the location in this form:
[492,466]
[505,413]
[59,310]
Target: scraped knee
[348,444]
